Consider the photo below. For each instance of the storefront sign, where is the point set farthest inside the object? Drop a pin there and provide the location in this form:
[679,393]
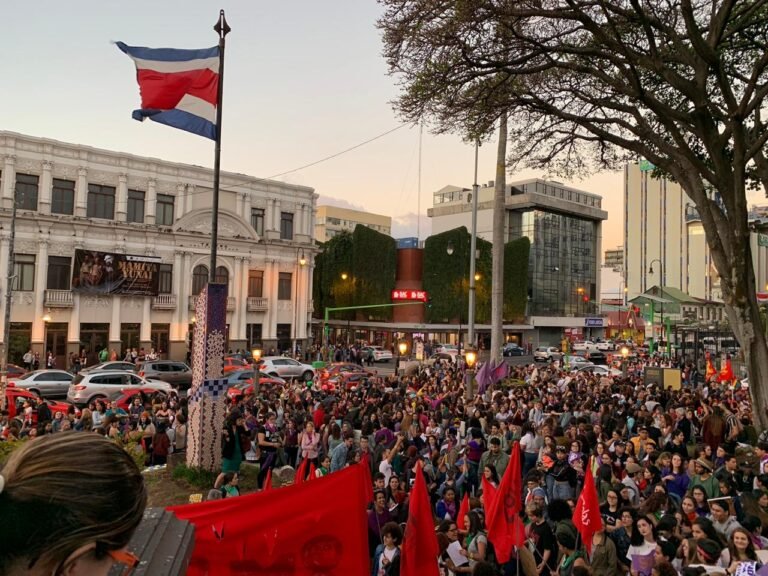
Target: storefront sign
[420,295]
[593,322]
[110,273]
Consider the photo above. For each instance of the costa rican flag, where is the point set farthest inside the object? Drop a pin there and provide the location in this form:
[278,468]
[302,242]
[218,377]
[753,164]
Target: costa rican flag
[178,87]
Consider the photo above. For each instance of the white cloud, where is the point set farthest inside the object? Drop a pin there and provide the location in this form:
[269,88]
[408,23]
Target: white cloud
[407,225]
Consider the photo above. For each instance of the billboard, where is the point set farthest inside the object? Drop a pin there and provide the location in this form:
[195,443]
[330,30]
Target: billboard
[110,273]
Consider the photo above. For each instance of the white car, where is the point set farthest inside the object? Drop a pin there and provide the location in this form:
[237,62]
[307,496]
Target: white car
[576,362]
[286,368]
[379,354]
[447,349]
[605,346]
[599,370]
[583,346]
[547,354]
[86,388]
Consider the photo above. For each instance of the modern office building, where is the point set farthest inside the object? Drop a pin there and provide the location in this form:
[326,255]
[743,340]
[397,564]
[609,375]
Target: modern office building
[661,224]
[564,226]
[331,220]
[86,216]
[614,259]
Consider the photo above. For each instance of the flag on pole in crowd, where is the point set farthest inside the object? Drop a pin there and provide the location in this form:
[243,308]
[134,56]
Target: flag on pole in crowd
[500,372]
[710,368]
[311,472]
[726,372]
[420,550]
[489,494]
[483,377]
[365,463]
[295,530]
[504,525]
[179,88]
[463,510]
[586,515]
[301,472]
[267,480]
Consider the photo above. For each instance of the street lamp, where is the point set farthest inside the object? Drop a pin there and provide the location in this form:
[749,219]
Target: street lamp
[624,355]
[580,291]
[302,261]
[661,286]
[256,354]
[402,348]
[471,359]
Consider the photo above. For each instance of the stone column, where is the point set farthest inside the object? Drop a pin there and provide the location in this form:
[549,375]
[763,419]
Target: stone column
[5,283]
[145,332]
[276,215]
[121,209]
[114,325]
[176,332]
[187,201]
[186,289]
[243,301]
[73,335]
[247,207]
[271,276]
[41,281]
[181,193]
[9,180]
[151,202]
[81,193]
[46,184]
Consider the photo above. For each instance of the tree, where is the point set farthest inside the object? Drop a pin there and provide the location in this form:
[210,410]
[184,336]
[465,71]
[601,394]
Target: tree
[592,85]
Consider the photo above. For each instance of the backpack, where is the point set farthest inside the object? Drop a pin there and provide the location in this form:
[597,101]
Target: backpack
[736,428]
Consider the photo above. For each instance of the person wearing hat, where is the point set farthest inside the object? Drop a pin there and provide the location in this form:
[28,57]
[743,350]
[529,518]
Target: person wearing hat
[707,556]
[634,475]
[703,476]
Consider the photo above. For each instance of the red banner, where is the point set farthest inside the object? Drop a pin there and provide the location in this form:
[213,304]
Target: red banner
[505,530]
[299,530]
[586,515]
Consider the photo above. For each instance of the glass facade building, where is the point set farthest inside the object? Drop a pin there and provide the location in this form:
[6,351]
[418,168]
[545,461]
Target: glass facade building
[562,272]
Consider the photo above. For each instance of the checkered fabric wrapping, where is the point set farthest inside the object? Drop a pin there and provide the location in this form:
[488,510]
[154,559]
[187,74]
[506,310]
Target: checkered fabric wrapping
[210,388]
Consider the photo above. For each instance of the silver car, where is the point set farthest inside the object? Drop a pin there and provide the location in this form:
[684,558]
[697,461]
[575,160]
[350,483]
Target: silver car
[110,367]
[46,383]
[286,368]
[86,388]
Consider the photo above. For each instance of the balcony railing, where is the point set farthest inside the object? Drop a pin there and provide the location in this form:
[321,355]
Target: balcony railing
[231,303]
[58,298]
[256,304]
[164,302]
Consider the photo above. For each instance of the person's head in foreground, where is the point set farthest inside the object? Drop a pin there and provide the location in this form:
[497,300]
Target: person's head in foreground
[69,504]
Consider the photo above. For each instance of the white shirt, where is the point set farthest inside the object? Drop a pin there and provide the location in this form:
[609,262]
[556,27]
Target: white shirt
[386,468]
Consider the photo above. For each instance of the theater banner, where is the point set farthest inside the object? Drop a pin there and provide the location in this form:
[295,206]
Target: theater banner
[109,273]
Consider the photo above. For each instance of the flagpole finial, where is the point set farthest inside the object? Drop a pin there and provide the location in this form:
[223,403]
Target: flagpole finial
[221,27]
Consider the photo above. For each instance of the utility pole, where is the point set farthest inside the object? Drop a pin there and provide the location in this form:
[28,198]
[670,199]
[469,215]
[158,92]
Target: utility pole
[8,302]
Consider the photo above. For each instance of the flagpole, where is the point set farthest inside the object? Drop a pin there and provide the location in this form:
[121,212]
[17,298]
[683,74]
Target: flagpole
[222,29]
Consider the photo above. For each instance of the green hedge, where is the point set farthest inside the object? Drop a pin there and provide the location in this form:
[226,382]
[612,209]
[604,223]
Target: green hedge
[516,259]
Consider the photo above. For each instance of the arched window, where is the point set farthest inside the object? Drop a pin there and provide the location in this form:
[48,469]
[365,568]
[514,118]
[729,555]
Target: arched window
[199,278]
[222,275]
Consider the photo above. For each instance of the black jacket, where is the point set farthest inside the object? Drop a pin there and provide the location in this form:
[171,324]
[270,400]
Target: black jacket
[228,441]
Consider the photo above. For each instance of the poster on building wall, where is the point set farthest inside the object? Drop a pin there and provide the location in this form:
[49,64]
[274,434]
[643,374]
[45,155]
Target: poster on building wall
[109,273]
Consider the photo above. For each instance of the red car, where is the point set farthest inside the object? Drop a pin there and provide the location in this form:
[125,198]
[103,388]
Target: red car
[337,368]
[232,363]
[241,383]
[16,397]
[124,398]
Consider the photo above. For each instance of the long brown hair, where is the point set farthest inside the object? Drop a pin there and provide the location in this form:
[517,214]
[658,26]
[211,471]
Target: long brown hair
[63,491]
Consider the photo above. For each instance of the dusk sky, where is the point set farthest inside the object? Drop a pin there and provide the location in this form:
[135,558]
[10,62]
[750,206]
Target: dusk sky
[303,80]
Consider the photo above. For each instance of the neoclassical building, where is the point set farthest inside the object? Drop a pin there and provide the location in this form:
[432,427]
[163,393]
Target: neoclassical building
[71,197]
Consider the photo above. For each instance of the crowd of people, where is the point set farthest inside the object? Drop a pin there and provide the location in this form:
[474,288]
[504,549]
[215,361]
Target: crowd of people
[681,475]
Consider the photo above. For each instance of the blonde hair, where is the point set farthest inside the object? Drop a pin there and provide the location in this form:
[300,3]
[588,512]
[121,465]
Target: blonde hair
[63,491]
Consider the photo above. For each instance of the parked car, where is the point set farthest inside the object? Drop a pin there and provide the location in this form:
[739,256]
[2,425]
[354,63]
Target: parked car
[547,354]
[86,388]
[13,370]
[286,368]
[512,349]
[605,346]
[124,398]
[347,381]
[599,370]
[583,345]
[596,357]
[115,365]
[447,349]
[177,374]
[241,383]
[231,364]
[441,358]
[332,370]
[45,383]
[16,397]
[575,361]
[379,354]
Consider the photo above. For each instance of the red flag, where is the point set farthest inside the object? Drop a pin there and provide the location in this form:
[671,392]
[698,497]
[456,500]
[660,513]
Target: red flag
[586,515]
[420,550]
[489,494]
[311,475]
[726,372]
[295,530]
[710,368]
[463,510]
[267,480]
[301,472]
[506,506]
[365,463]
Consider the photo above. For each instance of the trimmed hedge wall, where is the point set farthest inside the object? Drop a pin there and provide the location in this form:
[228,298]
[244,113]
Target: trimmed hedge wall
[516,260]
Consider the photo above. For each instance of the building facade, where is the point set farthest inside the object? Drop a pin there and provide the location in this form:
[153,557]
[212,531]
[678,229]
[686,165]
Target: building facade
[71,197]
[661,223]
[331,220]
[614,259]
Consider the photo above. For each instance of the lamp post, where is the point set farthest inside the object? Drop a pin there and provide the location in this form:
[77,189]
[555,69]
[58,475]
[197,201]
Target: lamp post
[471,358]
[580,292]
[661,286]
[624,355]
[302,261]
[449,249]
[402,348]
